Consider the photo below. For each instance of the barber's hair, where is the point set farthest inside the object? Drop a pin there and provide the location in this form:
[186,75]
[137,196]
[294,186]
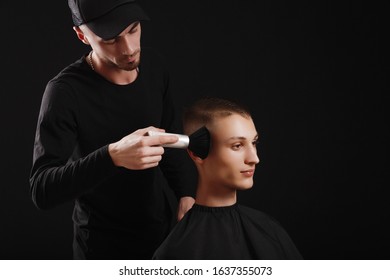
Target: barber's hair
[205,110]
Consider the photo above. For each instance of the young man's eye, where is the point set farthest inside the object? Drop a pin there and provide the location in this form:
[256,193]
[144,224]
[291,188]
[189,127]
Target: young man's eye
[237,146]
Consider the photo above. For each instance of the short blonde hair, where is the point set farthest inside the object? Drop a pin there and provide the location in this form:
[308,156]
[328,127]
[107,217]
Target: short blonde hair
[205,110]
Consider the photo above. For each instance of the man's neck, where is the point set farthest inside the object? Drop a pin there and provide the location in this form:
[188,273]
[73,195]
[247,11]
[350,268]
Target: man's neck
[215,196]
[119,77]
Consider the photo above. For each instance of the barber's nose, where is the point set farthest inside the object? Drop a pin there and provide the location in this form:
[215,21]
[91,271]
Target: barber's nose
[129,47]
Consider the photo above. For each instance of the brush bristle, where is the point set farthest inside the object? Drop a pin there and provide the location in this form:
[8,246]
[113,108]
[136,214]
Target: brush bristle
[200,142]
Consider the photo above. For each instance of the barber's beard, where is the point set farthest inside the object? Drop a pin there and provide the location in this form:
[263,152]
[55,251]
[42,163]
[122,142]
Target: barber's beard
[131,65]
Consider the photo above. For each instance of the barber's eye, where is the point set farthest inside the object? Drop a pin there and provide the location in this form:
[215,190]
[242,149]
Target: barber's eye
[110,42]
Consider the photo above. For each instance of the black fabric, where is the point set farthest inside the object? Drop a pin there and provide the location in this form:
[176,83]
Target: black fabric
[231,232]
[118,213]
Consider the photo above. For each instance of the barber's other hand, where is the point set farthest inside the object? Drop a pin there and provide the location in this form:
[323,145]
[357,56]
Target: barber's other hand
[185,204]
[138,151]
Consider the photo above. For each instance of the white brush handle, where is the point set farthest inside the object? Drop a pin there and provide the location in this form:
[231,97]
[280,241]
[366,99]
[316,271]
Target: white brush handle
[182,143]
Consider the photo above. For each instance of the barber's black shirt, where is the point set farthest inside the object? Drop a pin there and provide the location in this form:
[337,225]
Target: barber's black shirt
[118,213]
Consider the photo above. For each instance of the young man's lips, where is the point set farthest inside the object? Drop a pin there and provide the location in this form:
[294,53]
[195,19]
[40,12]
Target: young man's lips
[248,173]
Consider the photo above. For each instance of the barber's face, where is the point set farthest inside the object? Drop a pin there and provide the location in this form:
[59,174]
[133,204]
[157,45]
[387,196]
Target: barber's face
[121,52]
[233,155]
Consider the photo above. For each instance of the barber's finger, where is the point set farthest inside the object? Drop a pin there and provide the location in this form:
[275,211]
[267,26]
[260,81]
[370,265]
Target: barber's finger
[151,151]
[159,140]
[144,131]
[151,159]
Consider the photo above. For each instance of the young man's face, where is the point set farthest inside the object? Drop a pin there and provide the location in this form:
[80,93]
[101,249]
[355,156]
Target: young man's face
[233,154]
[122,52]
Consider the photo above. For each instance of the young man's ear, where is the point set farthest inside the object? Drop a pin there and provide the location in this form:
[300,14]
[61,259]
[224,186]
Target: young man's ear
[194,157]
[80,34]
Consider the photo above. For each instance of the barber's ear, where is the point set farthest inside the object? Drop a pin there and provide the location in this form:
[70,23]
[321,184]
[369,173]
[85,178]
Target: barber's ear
[80,34]
[194,157]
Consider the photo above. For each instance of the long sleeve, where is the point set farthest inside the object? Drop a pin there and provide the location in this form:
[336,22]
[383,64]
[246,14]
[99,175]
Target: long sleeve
[55,178]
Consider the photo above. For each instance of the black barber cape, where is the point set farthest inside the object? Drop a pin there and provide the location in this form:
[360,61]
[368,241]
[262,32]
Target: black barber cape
[229,232]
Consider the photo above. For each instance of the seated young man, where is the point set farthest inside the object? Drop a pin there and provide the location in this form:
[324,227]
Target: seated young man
[217,227]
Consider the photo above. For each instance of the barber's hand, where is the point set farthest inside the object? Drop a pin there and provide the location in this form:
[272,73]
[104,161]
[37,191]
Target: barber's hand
[139,151]
[185,204]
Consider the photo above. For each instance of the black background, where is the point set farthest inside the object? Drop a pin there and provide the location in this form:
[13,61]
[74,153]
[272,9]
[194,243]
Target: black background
[315,76]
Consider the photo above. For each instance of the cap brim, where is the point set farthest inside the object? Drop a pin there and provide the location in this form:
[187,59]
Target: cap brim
[113,23]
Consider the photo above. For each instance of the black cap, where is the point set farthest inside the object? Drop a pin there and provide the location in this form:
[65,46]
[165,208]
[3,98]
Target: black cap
[106,18]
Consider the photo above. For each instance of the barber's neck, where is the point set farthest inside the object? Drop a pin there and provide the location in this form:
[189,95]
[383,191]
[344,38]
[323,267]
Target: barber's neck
[112,72]
[119,77]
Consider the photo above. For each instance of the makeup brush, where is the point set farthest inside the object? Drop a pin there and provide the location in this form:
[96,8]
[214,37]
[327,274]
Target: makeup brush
[198,142]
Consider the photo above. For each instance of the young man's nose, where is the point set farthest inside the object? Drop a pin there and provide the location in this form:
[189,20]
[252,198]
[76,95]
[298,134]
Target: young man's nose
[251,156]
